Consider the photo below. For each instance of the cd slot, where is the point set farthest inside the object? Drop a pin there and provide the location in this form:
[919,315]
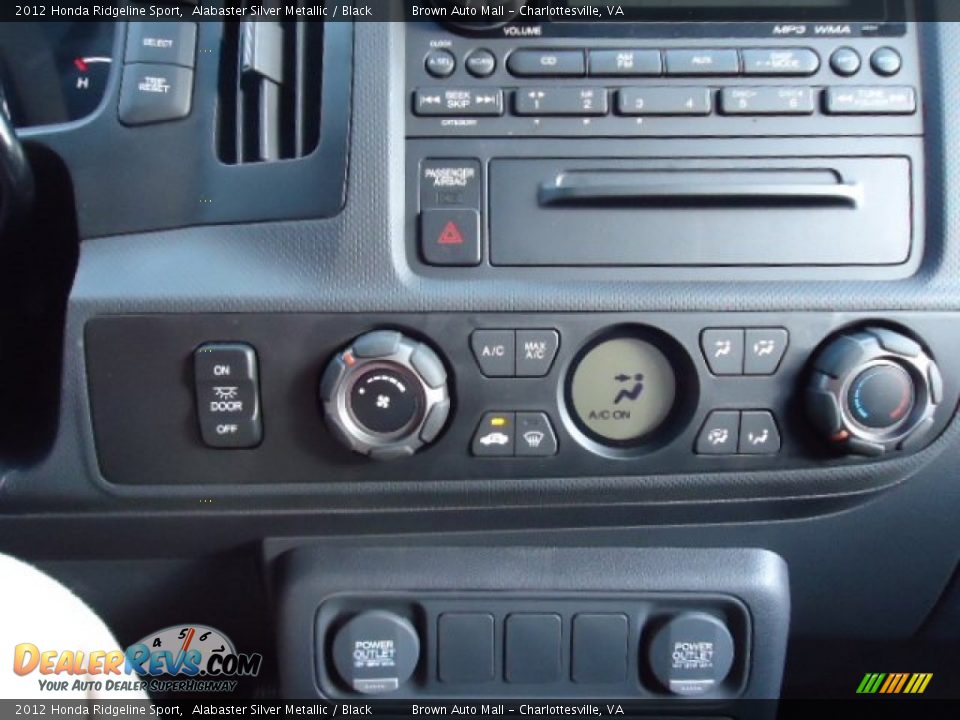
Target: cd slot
[761,188]
[796,211]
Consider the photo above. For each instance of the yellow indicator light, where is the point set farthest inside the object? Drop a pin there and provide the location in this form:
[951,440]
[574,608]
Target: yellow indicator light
[498,421]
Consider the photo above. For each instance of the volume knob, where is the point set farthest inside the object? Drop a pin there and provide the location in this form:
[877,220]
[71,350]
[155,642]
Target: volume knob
[873,391]
[385,395]
[471,15]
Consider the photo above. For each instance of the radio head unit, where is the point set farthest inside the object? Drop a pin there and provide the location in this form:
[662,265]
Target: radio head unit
[560,18]
[693,139]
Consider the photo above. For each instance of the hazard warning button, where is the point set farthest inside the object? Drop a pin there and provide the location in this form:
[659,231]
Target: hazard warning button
[450,236]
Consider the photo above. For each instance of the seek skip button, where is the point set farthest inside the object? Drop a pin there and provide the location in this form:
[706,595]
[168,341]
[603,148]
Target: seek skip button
[536,350]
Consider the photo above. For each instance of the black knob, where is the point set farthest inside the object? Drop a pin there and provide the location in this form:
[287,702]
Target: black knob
[385,395]
[474,16]
[376,652]
[873,391]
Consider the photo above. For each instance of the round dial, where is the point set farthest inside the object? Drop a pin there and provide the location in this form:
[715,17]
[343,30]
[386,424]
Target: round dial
[479,15]
[385,395]
[873,391]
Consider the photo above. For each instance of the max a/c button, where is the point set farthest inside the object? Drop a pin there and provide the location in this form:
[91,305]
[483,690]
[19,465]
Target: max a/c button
[450,236]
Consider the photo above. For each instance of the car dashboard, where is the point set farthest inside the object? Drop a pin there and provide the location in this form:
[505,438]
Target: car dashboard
[574,354]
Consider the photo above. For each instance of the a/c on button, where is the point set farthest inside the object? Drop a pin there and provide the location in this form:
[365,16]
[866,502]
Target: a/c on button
[622,390]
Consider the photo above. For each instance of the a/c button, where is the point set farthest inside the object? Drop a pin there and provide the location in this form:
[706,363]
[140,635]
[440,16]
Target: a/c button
[495,351]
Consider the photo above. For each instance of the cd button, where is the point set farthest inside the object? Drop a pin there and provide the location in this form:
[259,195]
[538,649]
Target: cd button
[547,63]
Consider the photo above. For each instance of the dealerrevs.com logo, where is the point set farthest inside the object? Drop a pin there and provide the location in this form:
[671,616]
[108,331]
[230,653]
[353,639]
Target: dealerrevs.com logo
[180,658]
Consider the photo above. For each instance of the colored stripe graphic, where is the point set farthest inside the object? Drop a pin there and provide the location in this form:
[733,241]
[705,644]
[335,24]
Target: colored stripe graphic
[903,680]
[891,680]
[894,683]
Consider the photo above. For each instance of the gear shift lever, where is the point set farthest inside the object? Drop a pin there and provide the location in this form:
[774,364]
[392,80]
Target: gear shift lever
[16,177]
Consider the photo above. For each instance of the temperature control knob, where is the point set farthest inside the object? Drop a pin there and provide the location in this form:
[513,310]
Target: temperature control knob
[385,395]
[874,391]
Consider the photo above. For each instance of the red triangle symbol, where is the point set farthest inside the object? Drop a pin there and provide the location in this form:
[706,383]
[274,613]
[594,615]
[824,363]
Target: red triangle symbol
[450,235]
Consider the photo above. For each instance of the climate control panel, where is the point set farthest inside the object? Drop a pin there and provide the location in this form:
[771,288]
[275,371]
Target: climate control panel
[448,396]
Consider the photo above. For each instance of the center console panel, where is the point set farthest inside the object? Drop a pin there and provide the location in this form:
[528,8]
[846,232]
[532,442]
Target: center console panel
[422,623]
[311,399]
